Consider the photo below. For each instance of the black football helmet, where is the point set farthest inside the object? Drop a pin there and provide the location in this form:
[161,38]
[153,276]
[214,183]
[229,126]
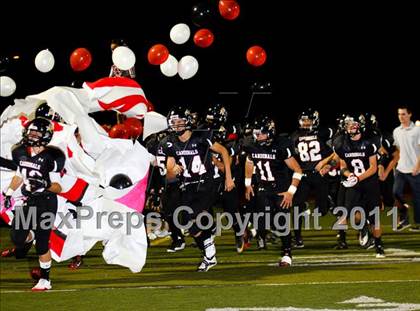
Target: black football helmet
[45,111]
[217,114]
[120,181]
[353,124]
[39,132]
[369,122]
[179,120]
[264,125]
[309,115]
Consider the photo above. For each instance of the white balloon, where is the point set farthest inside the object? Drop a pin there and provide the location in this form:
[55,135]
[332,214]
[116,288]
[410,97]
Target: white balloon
[187,67]
[170,67]
[7,86]
[44,61]
[123,58]
[180,33]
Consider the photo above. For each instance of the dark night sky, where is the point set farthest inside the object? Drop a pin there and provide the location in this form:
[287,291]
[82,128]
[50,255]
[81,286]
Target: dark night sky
[336,59]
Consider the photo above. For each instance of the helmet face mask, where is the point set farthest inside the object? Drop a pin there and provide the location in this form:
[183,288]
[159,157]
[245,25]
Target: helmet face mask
[352,126]
[179,121]
[264,131]
[217,115]
[309,119]
[177,125]
[38,133]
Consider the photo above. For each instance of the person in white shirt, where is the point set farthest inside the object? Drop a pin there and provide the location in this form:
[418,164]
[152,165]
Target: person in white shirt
[407,141]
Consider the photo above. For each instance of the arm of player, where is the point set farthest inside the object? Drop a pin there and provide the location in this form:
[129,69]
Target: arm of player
[172,168]
[218,164]
[373,168]
[55,186]
[297,176]
[324,166]
[249,169]
[14,184]
[391,164]
[229,183]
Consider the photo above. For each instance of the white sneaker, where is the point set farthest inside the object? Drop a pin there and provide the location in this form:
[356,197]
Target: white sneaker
[42,285]
[206,264]
[286,261]
[151,236]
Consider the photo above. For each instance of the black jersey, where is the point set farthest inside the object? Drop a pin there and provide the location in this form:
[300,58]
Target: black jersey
[311,146]
[194,156]
[388,144]
[356,154]
[271,171]
[38,166]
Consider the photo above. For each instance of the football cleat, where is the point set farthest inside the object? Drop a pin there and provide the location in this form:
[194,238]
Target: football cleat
[206,264]
[42,285]
[364,236]
[9,252]
[380,253]
[286,261]
[240,244]
[341,245]
[75,263]
[261,244]
[176,246]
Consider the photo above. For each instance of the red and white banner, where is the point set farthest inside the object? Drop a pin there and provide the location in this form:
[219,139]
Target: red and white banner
[118,93]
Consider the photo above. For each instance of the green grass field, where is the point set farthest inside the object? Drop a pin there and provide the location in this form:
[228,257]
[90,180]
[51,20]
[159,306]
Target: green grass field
[321,278]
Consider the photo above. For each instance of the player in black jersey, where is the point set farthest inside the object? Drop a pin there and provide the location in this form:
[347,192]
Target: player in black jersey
[274,190]
[45,111]
[36,163]
[171,197]
[358,162]
[216,119]
[189,158]
[310,144]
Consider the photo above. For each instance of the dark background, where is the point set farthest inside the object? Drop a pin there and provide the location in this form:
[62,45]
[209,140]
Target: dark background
[333,58]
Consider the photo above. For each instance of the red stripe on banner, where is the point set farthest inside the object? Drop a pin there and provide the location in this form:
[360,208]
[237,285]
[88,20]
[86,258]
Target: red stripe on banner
[5,217]
[69,152]
[57,126]
[57,242]
[113,81]
[24,121]
[126,102]
[76,192]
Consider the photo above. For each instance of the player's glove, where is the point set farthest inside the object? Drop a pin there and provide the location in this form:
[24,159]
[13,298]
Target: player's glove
[351,181]
[7,203]
[36,185]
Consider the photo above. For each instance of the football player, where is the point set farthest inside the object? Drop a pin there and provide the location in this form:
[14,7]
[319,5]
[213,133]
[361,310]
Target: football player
[36,163]
[216,119]
[358,162]
[189,158]
[274,190]
[310,143]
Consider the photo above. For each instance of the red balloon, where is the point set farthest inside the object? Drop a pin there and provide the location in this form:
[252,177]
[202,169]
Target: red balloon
[119,131]
[80,59]
[256,56]
[134,126]
[157,54]
[229,9]
[203,38]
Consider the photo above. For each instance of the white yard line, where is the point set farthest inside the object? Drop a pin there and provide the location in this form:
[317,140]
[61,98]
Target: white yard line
[215,286]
